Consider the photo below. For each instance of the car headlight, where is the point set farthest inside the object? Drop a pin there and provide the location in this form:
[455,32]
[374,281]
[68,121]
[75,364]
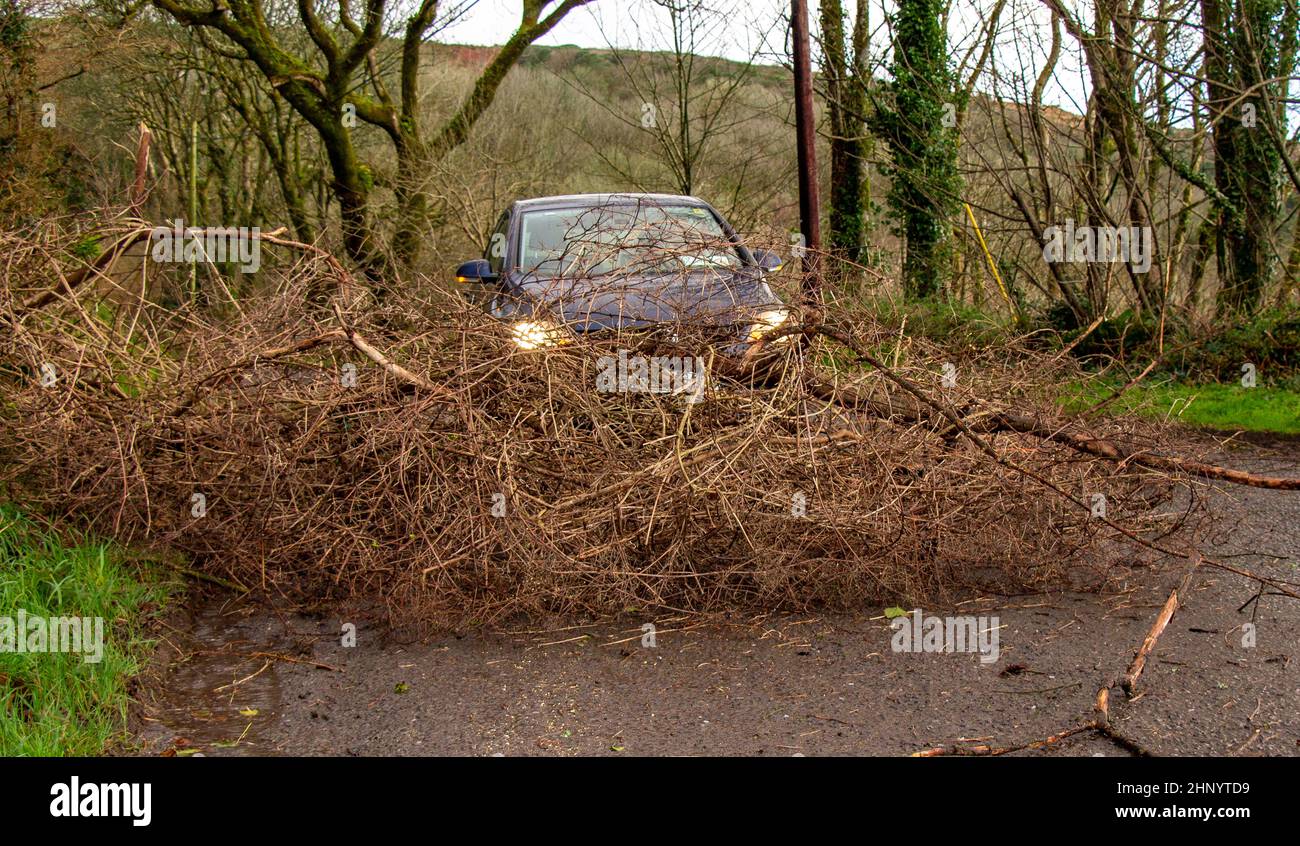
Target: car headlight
[770,321]
[537,334]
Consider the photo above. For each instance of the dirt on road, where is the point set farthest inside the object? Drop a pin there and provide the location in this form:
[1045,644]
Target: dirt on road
[236,678]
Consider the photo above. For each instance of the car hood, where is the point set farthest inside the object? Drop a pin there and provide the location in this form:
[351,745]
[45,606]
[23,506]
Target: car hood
[702,297]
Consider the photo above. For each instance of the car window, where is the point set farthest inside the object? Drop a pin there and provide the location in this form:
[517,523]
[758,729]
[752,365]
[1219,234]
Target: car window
[495,252]
[623,238]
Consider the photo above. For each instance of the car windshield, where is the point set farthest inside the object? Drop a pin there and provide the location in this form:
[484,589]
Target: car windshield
[623,239]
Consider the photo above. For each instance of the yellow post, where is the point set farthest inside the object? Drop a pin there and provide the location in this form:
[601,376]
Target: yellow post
[992,267]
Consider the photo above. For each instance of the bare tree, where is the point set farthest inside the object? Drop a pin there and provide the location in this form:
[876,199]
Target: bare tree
[339,80]
[847,76]
[684,103]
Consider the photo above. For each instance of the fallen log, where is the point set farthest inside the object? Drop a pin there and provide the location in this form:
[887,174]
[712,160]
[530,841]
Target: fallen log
[990,422]
[1102,448]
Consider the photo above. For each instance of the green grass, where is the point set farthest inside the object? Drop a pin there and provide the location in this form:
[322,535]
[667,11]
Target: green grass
[942,321]
[54,703]
[1215,406]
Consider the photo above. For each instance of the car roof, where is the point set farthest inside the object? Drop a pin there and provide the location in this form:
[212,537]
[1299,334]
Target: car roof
[578,200]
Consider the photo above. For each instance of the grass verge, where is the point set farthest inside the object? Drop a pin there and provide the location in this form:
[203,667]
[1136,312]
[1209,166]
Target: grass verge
[58,703]
[1214,406]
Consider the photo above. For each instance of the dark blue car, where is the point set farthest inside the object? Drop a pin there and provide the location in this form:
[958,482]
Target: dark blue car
[585,263]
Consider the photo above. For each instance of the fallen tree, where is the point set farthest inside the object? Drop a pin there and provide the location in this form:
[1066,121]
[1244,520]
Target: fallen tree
[407,452]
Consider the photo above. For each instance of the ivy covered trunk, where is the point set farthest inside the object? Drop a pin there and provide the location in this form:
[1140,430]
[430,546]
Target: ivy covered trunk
[1246,49]
[919,125]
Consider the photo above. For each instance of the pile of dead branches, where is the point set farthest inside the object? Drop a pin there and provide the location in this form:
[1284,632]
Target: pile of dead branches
[408,450]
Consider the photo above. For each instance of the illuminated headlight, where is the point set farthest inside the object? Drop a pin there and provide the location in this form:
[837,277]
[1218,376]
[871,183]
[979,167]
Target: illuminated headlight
[537,334]
[770,321]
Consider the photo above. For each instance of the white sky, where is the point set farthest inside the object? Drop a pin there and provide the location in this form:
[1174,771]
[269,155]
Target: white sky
[623,22]
[757,27]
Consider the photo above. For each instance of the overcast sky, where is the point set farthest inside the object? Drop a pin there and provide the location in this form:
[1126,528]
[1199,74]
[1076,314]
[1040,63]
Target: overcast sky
[623,22]
[758,28]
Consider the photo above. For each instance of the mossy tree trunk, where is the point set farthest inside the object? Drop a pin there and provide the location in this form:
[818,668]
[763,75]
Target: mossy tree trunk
[919,125]
[846,74]
[337,81]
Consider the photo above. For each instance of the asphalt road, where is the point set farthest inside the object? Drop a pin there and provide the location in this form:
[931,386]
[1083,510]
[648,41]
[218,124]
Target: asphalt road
[239,679]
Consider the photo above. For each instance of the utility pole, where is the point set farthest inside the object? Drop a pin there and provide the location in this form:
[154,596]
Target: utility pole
[194,203]
[806,131]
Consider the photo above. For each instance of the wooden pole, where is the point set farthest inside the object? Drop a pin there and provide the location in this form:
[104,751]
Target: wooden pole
[140,185]
[806,131]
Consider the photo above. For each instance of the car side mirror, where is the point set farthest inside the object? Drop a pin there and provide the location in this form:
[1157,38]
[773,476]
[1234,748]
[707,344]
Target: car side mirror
[475,270]
[768,261]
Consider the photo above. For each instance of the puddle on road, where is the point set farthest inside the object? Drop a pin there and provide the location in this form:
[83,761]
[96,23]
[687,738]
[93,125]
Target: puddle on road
[213,697]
